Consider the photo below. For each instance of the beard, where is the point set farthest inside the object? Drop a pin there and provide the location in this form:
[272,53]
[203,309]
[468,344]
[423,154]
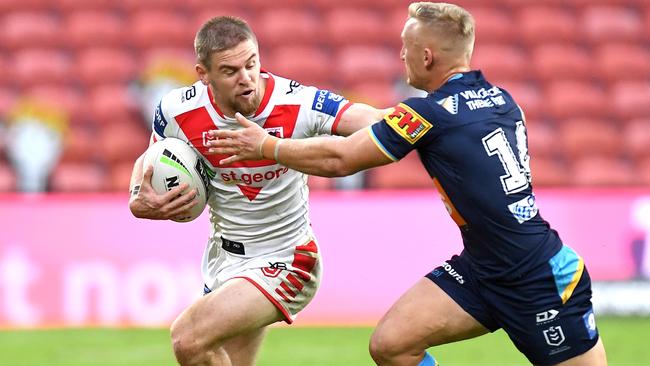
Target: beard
[247,107]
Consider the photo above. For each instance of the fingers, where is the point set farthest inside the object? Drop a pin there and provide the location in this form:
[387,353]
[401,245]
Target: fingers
[223,134]
[182,210]
[148,173]
[175,192]
[180,202]
[242,120]
[231,159]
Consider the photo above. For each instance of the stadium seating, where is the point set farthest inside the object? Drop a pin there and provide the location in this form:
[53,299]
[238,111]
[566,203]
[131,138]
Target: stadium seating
[285,26]
[542,140]
[636,138]
[492,24]
[156,28]
[44,65]
[603,171]
[548,171]
[100,66]
[631,99]
[527,94]
[538,24]
[352,26]
[307,64]
[30,29]
[95,28]
[78,177]
[364,64]
[560,61]
[594,137]
[568,99]
[501,62]
[67,97]
[620,61]
[607,23]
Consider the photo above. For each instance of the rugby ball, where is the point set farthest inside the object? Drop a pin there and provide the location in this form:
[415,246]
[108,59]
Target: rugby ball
[175,162]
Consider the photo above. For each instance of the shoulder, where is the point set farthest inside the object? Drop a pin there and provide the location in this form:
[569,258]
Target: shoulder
[183,99]
[288,91]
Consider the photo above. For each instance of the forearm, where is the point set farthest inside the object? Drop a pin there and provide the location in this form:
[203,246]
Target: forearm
[322,156]
[136,177]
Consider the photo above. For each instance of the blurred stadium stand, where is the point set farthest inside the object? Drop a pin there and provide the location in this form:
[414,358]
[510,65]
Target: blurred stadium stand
[579,68]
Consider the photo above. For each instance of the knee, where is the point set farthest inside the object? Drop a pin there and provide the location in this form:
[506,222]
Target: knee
[187,345]
[385,346]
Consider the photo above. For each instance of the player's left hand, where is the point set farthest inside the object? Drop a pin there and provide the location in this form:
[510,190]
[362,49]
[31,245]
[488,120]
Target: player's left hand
[242,144]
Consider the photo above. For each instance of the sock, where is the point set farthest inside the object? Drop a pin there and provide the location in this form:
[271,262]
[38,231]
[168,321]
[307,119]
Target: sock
[428,360]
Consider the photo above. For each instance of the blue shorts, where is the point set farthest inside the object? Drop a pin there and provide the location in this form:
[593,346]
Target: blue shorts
[547,313]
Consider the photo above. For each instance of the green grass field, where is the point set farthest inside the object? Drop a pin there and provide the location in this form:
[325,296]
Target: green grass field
[626,340]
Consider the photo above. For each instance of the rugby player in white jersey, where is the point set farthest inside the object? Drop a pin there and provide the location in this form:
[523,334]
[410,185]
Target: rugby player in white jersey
[261,264]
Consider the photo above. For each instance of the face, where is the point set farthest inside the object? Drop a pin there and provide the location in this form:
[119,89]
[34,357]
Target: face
[234,77]
[412,54]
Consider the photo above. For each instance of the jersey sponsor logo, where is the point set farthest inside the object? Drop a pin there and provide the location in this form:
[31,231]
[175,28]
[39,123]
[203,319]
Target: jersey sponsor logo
[408,123]
[554,336]
[452,272]
[232,177]
[450,104]
[546,316]
[327,102]
[483,98]
[159,121]
[524,209]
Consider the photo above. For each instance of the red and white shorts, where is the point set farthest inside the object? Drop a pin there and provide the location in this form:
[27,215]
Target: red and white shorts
[289,277]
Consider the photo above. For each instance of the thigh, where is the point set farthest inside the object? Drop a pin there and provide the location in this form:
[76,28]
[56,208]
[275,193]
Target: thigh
[425,316]
[233,309]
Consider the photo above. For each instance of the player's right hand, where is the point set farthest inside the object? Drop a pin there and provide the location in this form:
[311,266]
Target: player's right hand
[147,204]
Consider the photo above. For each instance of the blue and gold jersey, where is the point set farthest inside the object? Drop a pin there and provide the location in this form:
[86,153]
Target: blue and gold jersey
[471,138]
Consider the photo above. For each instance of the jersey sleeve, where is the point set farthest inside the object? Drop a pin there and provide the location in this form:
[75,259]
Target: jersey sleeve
[324,110]
[163,124]
[403,130]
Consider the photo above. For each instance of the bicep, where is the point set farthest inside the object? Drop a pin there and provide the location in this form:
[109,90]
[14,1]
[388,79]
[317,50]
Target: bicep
[358,116]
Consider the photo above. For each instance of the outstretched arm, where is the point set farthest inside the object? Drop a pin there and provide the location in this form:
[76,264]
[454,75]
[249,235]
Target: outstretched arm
[359,116]
[324,156]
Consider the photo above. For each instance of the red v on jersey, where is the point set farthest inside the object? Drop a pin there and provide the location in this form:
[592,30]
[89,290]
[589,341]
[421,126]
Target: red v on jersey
[249,191]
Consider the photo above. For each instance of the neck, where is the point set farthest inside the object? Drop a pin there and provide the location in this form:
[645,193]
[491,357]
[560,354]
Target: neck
[443,77]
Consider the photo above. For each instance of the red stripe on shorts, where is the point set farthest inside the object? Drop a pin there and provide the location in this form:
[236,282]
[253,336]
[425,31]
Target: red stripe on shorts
[286,288]
[309,247]
[295,282]
[277,290]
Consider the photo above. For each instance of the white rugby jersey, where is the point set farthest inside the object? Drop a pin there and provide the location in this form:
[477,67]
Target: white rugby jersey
[261,204]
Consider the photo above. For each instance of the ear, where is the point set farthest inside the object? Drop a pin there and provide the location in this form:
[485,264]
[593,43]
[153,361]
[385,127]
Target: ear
[202,72]
[428,58]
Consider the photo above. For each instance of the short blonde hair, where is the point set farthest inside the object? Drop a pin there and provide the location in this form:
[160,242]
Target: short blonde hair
[452,22]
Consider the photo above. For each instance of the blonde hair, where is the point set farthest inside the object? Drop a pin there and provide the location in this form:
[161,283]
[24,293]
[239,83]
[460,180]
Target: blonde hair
[219,34]
[454,24]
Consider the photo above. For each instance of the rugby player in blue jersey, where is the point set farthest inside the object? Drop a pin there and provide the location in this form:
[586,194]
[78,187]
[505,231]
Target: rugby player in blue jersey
[514,272]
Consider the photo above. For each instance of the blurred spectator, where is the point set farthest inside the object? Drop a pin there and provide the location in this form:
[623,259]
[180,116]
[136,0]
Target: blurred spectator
[34,141]
[162,74]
